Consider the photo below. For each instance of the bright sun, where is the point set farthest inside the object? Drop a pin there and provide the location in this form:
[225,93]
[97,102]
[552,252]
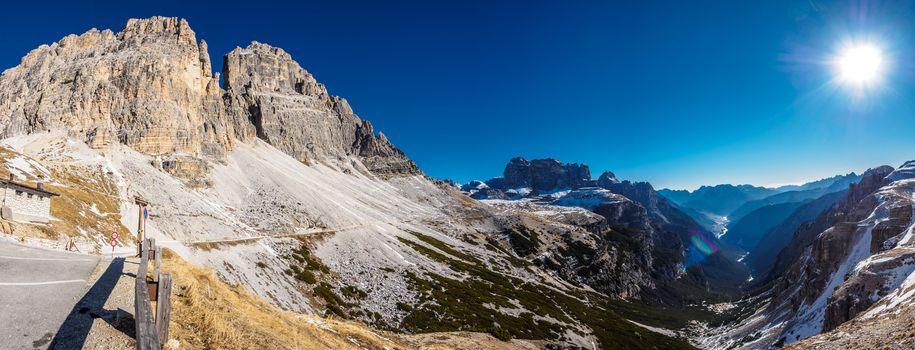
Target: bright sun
[860,65]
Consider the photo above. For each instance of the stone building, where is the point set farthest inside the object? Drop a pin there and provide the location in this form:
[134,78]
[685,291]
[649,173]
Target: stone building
[25,203]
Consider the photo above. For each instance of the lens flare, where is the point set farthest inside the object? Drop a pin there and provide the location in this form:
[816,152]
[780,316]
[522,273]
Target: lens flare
[701,246]
[704,244]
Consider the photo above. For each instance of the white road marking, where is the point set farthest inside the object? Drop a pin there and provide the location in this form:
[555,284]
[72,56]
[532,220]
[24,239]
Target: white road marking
[39,283]
[42,259]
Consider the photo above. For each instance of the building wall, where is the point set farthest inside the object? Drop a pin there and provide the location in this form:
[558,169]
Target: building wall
[34,209]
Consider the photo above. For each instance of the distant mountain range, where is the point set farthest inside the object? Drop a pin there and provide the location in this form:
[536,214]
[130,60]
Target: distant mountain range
[634,209]
[738,200]
[797,194]
[720,199]
[719,208]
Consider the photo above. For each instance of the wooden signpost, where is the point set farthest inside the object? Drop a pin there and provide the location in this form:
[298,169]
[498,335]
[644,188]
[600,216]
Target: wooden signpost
[141,218]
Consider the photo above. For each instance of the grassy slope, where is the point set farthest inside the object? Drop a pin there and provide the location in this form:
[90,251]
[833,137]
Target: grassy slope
[207,313]
[88,205]
[448,304]
[210,314]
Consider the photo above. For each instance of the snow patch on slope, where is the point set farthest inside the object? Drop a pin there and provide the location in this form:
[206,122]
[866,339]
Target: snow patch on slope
[810,317]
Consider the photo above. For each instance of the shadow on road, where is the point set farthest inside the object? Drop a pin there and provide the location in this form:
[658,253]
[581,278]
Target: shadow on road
[73,333]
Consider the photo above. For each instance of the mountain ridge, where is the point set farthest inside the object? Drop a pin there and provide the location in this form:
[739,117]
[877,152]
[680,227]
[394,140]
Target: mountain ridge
[94,86]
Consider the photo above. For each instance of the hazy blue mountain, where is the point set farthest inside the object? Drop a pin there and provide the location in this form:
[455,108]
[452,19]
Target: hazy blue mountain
[824,183]
[810,190]
[761,257]
[704,220]
[785,197]
[719,199]
[677,196]
[747,231]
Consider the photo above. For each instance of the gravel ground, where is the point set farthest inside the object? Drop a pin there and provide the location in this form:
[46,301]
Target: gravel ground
[107,309]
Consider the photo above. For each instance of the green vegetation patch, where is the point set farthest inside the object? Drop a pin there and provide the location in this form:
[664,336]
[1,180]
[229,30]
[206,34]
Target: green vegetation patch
[304,256]
[448,304]
[303,265]
[524,240]
[442,246]
[353,293]
[301,274]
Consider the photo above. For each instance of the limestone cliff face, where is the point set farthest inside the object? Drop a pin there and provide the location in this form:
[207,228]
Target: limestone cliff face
[148,87]
[151,87]
[289,109]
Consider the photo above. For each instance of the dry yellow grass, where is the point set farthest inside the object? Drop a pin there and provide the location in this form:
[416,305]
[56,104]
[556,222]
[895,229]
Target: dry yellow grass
[80,189]
[88,204]
[210,314]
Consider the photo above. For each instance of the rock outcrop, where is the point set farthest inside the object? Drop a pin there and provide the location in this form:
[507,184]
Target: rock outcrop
[148,87]
[151,87]
[545,174]
[289,109]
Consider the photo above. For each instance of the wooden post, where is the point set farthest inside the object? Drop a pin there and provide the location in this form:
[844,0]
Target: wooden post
[163,307]
[158,263]
[151,248]
[140,223]
[145,325]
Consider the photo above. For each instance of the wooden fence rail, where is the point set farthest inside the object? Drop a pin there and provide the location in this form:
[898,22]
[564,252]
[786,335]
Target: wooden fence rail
[151,328]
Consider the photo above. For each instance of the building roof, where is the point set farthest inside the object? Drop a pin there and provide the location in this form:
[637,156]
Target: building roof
[38,189]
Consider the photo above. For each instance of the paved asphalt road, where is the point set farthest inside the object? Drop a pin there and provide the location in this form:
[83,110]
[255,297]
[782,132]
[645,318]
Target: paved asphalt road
[38,289]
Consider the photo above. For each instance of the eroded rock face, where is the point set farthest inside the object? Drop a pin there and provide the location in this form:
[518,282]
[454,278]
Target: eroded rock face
[151,87]
[545,174]
[863,289]
[148,87]
[855,207]
[830,278]
[289,109]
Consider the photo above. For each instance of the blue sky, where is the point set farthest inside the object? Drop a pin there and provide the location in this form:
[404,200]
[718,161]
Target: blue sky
[677,93]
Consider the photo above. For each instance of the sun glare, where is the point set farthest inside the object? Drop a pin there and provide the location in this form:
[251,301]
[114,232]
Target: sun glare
[860,65]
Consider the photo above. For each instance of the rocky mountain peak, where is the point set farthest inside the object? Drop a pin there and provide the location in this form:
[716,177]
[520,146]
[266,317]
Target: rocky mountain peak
[142,29]
[151,87]
[545,174]
[289,109]
[606,179]
[264,68]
